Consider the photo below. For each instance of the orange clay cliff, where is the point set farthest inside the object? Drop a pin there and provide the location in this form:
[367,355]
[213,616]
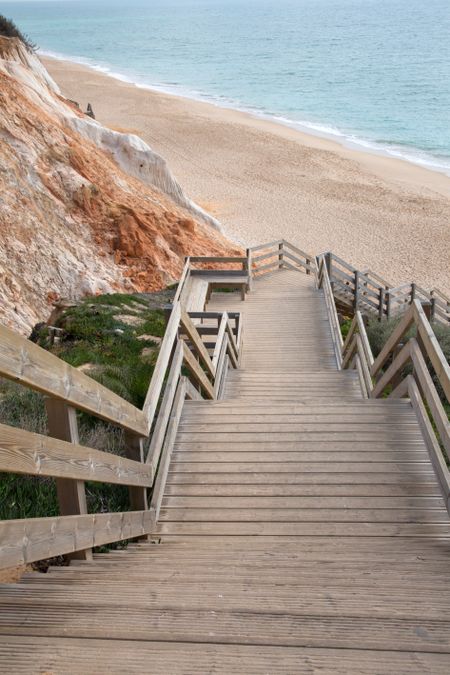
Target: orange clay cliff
[83,209]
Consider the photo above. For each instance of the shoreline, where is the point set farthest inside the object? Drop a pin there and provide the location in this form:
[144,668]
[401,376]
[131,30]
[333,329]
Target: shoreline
[360,145]
[225,158]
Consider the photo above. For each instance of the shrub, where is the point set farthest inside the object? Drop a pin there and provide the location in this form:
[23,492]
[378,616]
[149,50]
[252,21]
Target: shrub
[378,333]
[9,29]
[109,333]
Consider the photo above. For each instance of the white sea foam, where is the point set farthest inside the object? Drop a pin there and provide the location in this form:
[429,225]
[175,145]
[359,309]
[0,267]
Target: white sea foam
[405,153]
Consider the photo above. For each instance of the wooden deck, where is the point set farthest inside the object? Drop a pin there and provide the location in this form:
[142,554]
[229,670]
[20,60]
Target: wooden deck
[302,530]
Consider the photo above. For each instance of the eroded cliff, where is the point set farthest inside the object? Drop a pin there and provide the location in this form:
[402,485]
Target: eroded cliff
[83,209]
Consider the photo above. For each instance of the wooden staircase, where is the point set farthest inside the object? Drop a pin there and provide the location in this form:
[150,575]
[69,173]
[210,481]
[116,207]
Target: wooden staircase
[301,529]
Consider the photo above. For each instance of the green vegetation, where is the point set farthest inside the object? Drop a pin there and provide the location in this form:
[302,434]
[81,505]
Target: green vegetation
[110,338]
[9,29]
[378,332]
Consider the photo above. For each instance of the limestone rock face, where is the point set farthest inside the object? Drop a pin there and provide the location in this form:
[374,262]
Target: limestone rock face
[83,209]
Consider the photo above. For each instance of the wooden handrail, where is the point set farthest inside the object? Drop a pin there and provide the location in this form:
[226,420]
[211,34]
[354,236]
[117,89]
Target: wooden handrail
[24,452]
[183,279]
[419,387]
[28,364]
[30,453]
[284,254]
[323,282]
[61,456]
[373,295]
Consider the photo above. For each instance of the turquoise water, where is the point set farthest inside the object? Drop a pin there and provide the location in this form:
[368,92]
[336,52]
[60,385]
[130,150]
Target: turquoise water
[373,74]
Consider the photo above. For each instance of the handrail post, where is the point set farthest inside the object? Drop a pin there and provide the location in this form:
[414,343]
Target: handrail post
[62,424]
[328,262]
[248,253]
[356,296]
[381,301]
[426,306]
[432,309]
[413,293]
[134,449]
[280,255]
[388,304]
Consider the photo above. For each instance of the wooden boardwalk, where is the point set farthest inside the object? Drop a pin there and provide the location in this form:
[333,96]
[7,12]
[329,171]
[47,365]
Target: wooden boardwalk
[302,530]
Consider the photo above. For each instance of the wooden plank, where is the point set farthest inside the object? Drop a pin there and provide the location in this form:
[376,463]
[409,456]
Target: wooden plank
[264,256]
[218,259]
[220,365]
[358,366]
[380,489]
[162,420]
[172,428]
[63,425]
[299,502]
[433,348]
[134,450]
[264,268]
[342,262]
[431,441]
[299,251]
[223,379]
[348,337]
[350,352]
[196,340]
[162,363]
[58,654]
[219,341]
[438,413]
[182,282]
[297,260]
[365,370]
[25,362]
[395,337]
[29,453]
[191,392]
[271,244]
[348,279]
[364,339]
[338,530]
[211,514]
[197,373]
[232,346]
[27,540]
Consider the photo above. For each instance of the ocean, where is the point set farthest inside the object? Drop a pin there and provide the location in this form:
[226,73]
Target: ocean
[371,74]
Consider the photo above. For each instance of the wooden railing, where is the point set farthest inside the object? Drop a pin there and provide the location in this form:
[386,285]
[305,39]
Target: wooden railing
[149,433]
[277,255]
[197,350]
[405,367]
[323,282]
[355,289]
[195,267]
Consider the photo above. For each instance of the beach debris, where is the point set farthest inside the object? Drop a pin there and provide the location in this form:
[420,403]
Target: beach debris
[89,111]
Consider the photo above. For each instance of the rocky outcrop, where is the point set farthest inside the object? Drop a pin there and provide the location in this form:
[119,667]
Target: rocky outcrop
[83,209]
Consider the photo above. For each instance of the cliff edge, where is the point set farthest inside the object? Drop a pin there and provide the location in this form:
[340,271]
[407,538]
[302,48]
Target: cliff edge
[83,209]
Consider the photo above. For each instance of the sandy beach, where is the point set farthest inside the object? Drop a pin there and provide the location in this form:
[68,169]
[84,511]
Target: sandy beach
[265,181]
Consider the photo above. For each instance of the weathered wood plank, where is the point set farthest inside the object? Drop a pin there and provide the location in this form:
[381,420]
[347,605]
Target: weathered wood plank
[159,431]
[156,383]
[29,453]
[34,367]
[23,541]
[197,373]
[163,469]
[197,342]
